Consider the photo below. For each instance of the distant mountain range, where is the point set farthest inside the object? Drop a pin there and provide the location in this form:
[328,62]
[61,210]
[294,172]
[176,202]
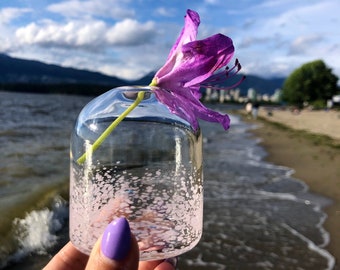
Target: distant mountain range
[34,76]
[29,71]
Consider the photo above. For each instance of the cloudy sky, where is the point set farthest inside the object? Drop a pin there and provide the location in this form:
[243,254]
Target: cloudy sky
[130,38]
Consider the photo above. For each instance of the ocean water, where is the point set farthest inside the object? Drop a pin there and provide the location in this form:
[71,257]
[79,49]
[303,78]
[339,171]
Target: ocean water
[256,216]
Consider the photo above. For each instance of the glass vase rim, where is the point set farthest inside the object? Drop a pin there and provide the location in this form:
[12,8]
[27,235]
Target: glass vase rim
[114,102]
[137,88]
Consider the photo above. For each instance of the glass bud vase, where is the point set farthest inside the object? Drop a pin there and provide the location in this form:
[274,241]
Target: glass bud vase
[149,170]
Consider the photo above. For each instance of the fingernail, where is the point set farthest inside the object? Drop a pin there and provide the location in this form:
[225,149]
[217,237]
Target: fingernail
[116,239]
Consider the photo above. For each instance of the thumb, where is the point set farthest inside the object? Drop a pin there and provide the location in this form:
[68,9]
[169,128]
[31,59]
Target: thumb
[116,249]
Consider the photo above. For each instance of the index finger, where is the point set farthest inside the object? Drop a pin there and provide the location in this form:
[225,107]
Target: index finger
[156,265]
[68,258]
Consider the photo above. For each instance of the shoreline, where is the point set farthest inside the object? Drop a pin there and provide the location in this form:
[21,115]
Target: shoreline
[315,159]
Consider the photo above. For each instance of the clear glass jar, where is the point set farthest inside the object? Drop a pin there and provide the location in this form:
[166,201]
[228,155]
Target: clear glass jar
[149,170]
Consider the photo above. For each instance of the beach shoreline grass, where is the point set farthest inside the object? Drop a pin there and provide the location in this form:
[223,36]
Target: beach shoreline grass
[315,159]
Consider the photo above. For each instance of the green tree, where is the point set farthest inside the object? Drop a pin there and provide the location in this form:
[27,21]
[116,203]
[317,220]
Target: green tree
[313,82]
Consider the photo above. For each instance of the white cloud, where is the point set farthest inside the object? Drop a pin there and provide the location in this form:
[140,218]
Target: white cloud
[130,32]
[88,9]
[165,12]
[276,44]
[6,43]
[94,45]
[7,17]
[302,44]
[252,41]
[9,14]
[211,2]
[89,35]
[304,20]
[124,38]
[135,63]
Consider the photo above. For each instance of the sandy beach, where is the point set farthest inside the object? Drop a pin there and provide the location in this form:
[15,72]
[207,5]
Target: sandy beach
[297,141]
[319,122]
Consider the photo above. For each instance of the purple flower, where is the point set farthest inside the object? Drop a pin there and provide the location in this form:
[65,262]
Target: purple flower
[190,65]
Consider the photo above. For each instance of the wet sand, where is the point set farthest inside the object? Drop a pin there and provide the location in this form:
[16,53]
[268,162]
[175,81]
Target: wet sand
[294,140]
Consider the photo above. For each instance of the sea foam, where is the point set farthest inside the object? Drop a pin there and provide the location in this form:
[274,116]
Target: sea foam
[37,231]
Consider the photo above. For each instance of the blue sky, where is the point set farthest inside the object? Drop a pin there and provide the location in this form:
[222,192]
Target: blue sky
[130,38]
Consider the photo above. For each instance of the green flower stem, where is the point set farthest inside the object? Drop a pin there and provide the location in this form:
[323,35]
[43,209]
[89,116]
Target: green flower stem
[110,128]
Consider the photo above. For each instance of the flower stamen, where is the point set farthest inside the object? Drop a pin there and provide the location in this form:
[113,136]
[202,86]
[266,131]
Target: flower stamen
[222,76]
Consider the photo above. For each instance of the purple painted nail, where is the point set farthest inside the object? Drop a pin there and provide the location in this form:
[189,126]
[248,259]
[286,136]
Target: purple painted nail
[116,239]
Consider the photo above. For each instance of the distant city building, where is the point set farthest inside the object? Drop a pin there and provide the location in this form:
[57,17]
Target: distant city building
[234,95]
[265,97]
[251,95]
[277,96]
[207,94]
[222,97]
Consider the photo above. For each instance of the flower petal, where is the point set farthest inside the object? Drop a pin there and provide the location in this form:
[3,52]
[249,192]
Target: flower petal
[190,108]
[177,106]
[189,31]
[190,64]
[204,57]
[188,34]
[200,59]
